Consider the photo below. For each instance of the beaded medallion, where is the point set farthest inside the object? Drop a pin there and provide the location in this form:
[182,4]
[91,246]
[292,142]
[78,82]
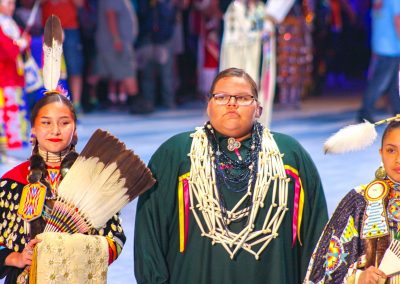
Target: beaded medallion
[375,223]
[32,201]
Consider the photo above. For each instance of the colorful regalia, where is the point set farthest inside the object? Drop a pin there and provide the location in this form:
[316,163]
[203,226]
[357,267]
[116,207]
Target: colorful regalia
[340,254]
[294,56]
[190,231]
[13,110]
[273,38]
[242,37]
[15,232]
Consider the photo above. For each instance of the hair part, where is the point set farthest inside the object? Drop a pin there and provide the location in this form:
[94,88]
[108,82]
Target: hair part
[49,99]
[394,124]
[236,72]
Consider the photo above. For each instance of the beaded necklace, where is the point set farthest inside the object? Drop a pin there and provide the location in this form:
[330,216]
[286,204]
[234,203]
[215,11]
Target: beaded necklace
[51,157]
[232,173]
[235,175]
[268,177]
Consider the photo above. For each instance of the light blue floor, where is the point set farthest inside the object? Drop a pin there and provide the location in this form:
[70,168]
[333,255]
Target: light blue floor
[311,125]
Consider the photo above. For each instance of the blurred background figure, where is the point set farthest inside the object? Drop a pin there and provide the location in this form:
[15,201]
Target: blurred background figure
[22,16]
[208,44]
[116,33]
[67,11]
[341,50]
[29,17]
[13,113]
[294,55]
[87,15]
[249,42]
[384,64]
[156,52]
[189,17]
[342,22]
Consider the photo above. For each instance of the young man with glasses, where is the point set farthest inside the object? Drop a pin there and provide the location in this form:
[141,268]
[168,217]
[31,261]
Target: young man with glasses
[233,202]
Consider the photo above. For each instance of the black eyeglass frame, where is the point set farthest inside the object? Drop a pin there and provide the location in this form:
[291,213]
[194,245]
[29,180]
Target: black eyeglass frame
[210,96]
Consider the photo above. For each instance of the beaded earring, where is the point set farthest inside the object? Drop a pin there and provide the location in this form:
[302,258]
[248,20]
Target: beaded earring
[380,172]
[34,143]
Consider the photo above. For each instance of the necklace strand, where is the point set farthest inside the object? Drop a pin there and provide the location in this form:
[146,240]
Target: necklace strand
[213,218]
[235,174]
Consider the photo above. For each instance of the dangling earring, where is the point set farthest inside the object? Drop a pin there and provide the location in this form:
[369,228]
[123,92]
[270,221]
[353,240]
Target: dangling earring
[380,172]
[34,143]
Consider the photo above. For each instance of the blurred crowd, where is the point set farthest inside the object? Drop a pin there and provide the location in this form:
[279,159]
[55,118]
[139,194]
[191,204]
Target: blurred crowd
[136,55]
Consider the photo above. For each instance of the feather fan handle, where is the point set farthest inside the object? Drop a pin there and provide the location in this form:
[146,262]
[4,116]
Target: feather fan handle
[390,263]
[103,179]
[52,51]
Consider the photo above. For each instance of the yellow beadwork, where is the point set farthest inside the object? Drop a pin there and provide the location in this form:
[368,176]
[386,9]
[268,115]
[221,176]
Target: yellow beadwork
[32,201]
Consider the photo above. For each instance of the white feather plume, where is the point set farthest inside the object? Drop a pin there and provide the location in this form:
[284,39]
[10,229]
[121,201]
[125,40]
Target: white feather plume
[52,51]
[351,138]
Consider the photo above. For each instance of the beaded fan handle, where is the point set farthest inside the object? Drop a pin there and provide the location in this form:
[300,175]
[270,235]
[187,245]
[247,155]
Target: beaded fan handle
[395,247]
[66,218]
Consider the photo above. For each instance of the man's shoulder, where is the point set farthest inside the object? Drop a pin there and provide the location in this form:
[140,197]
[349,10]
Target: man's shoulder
[177,143]
[178,139]
[285,140]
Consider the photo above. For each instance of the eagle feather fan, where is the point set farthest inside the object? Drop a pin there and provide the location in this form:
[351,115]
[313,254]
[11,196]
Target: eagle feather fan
[103,179]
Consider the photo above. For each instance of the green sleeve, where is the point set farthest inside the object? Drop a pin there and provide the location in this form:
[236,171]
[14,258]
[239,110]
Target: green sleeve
[315,214]
[155,220]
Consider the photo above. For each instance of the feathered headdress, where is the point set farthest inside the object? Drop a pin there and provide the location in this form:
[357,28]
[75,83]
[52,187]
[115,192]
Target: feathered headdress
[354,137]
[52,51]
[103,179]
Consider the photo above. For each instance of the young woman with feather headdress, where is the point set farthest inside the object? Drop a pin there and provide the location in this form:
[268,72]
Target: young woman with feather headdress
[53,123]
[366,223]
[59,210]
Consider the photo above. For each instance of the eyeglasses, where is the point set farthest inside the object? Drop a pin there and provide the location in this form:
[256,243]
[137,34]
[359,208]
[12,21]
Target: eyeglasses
[224,99]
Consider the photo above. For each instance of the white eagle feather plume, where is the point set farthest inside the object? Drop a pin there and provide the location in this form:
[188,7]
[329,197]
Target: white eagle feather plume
[52,51]
[351,138]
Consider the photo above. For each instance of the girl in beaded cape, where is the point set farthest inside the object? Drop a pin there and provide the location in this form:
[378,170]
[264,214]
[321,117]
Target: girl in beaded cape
[28,193]
[53,122]
[364,223]
[233,202]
